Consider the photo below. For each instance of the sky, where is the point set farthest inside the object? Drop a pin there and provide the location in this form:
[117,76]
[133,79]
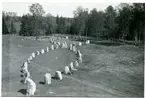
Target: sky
[62,9]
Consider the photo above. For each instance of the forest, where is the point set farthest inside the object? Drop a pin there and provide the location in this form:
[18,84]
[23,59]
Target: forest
[125,22]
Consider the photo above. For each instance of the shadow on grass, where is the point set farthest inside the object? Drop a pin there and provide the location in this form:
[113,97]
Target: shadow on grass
[105,43]
[71,73]
[54,78]
[98,42]
[23,91]
[41,83]
[62,72]
[109,44]
[22,81]
[21,76]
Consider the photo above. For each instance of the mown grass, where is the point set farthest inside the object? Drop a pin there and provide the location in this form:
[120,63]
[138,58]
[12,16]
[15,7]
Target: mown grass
[107,70]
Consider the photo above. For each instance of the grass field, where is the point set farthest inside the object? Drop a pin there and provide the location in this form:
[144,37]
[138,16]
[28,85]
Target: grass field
[107,70]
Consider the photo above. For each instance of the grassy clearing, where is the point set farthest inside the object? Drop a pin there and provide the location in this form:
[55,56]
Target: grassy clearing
[116,67]
[107,70]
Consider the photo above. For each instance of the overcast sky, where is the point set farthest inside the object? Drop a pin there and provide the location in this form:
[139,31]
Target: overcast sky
[65,10]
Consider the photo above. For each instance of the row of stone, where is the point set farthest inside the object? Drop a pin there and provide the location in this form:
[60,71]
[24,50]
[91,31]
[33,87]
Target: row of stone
[31,86]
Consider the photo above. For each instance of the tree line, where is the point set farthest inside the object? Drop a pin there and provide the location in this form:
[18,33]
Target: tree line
[124,22]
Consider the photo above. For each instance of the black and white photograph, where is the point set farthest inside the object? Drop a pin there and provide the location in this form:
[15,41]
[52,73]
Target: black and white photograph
[73,49]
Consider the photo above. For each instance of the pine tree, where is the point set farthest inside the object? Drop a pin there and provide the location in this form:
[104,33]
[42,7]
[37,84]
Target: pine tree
[12,29]
[4,27]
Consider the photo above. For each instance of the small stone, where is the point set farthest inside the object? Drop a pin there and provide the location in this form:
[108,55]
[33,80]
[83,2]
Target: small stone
[50,92]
